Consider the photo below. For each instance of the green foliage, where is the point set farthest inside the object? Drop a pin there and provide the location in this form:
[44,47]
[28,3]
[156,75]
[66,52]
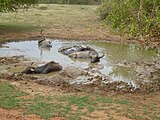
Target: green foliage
[134,17]
[13,5]
[104,10]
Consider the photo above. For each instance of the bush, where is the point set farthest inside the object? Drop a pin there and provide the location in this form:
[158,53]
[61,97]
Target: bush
[134,17]
[14,5]
[104,10]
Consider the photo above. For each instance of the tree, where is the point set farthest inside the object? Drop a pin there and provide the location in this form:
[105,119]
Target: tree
[14,5]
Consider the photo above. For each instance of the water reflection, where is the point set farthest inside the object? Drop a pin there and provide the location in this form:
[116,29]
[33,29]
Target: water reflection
[117,53]
[44,51]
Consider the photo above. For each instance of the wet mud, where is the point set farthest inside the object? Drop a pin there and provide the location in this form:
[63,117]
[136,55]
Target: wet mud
[71,79]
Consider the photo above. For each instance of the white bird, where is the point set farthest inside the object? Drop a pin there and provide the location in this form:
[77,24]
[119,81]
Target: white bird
[44,42]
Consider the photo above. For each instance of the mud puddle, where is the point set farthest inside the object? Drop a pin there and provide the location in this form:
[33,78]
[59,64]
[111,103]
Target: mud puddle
[112,68]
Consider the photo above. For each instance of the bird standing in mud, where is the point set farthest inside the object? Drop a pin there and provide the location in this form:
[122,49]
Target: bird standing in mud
[44,42]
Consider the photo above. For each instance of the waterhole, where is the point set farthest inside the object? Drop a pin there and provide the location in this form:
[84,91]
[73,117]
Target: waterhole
[108,65]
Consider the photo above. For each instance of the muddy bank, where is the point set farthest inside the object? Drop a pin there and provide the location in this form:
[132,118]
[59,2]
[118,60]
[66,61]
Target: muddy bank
[12,60]
[69,36]
[148,74]
[62,81]
[69,79]
[72,79]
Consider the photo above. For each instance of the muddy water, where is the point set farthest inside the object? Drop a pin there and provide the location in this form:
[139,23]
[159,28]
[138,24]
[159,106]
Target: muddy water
[115,54]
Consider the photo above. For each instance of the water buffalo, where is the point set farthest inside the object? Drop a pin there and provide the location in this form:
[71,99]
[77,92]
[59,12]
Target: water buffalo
[72,49]
[49,67]
[44,42]
[69,50]
[90,54]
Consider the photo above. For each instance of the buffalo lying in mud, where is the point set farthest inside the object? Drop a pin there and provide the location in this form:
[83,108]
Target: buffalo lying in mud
[47,68]
[92,54]
[72,49]
[78,51]
[44,42]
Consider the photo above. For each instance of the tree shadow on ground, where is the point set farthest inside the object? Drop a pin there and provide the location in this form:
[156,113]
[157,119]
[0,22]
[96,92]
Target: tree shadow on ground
[17,28]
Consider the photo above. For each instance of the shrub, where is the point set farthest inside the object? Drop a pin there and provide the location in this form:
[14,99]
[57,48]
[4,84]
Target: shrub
[134,17]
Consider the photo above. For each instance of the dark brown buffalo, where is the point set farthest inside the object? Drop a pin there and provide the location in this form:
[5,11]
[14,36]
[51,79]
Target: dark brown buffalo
[47,68]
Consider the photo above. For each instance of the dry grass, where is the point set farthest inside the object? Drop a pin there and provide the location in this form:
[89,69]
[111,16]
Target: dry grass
[58,21]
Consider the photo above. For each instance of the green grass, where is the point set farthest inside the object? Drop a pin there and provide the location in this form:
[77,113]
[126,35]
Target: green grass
[73,107]
[81,102]
[104,100]
[9,96]
[45,110]
[123,102]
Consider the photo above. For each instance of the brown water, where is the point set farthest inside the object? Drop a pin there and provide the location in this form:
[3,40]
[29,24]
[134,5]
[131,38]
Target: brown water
[114,54]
